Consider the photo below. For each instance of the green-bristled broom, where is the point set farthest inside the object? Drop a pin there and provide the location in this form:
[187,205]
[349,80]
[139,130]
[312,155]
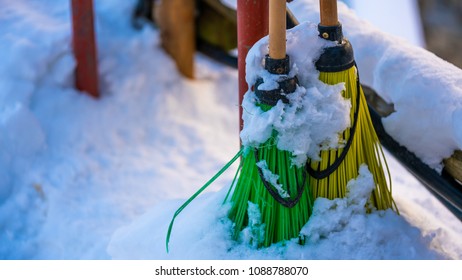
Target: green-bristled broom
[272,210]
[283,209]
[329,176]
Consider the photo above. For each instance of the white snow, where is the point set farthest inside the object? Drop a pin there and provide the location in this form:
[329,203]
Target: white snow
[338,229]
[272,178]
[74,169]
[99,179]
[339,219]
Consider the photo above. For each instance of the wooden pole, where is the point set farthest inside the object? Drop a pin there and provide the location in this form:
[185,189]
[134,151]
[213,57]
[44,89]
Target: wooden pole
[329,14]
[176,21]
[252,25]
[84,46]
[277,29]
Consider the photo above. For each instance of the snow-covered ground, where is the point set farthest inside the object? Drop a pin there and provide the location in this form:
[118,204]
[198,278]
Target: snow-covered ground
[100,179]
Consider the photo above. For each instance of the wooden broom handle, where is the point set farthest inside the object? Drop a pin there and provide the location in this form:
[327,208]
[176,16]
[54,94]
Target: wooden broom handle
[329,14]
[277,29]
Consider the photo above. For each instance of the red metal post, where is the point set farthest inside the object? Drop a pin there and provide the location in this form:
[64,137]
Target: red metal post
[83,41]
[252,25]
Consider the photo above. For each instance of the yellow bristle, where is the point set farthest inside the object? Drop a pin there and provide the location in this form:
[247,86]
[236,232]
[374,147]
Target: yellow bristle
[365,149]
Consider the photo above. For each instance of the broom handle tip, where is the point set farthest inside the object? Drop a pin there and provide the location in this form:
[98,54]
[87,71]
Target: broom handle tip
[328,11]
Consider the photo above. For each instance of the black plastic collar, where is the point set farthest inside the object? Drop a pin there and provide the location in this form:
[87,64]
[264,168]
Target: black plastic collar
[277,66]
[286,84]
[331,33]
[339,57]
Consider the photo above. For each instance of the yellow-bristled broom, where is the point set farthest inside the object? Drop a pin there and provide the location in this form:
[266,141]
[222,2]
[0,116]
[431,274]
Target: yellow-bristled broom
[330,175]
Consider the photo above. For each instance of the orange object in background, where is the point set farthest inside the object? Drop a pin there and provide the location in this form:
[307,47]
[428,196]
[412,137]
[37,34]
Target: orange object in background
[84,46]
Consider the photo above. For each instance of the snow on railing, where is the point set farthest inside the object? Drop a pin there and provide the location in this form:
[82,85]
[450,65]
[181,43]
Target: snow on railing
[426,91]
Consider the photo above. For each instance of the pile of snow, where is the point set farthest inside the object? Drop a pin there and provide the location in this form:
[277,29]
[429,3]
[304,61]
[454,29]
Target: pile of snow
[338,229]
[74,169]
[97,179]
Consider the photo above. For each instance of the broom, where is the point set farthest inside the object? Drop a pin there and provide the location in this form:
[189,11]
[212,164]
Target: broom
[330,175]
[269,211]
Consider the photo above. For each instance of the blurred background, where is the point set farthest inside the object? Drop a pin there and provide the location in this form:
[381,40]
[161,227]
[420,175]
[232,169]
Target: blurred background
[433,24]
[442,25]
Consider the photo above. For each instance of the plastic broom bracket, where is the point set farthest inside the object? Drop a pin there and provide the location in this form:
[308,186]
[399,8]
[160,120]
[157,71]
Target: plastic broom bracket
[286,84]
[337,58]
[277,66]
[331,33]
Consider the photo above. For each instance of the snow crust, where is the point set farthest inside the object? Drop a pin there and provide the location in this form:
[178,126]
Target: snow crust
[338,229]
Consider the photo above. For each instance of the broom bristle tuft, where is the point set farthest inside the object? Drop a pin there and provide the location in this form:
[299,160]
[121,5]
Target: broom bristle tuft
[365,149]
